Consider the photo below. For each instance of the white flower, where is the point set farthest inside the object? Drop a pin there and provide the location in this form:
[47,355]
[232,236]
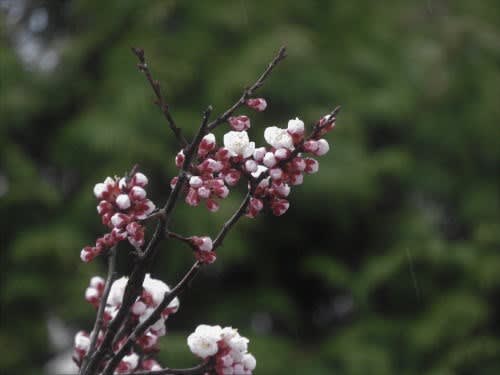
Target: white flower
[238,144]
[156,288]
[249,362]
[260,169]
[323,147]
[117,290]
[278,138]
[203,341]
[123,201]
[82,341]
[131,361]
[296,126]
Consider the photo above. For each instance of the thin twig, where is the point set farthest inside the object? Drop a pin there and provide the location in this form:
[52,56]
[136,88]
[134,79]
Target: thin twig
[141,328]
[102,305]
[202,368]
[232,220]
[248,92]
[160,100]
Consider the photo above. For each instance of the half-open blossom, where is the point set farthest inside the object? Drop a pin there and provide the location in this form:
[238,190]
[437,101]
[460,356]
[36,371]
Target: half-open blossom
[238,144]
[278,138]
[259,104]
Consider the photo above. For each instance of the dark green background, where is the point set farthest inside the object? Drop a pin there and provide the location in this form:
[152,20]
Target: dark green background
[388,261]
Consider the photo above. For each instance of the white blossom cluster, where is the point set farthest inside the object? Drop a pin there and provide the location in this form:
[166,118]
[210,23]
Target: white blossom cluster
[226,346]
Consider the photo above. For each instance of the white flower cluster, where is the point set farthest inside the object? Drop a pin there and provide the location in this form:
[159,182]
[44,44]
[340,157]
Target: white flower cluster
[226,345]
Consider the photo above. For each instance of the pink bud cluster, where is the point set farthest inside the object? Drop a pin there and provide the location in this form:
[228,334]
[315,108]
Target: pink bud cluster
[226,346]
[203,249]
[122,203]
[152,295]
[275,169]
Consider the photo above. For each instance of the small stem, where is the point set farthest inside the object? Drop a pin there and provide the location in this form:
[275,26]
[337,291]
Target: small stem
[248,92]
[102,305]
[232,220]
[143,67]
[197,370]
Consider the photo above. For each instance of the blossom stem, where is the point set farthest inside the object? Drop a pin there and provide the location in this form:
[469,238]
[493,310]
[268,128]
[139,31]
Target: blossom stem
[196,370]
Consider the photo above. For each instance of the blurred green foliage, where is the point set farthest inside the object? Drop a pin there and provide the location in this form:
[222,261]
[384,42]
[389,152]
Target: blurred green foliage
[388,261]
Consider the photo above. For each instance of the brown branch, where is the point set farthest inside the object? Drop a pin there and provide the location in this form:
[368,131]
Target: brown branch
[248,92]
[102,305]
[202,368]
[160,100]
[141,328]
[232,220]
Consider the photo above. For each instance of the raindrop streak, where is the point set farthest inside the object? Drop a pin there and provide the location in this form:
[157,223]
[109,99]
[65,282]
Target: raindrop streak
[412,272]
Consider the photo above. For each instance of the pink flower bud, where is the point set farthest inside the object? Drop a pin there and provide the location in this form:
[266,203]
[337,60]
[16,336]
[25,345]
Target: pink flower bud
[139,179]
[207,144]
[103,207]
[259,153]
[259,104]
[118,234]
[239,123]
[232,177]
[281,153]
[221,192]
[204,192]
[179,159]
[123,201]
[251,166]
[195,181]
[87,254]
[323,147]
[100,190]
[202,243]
[279,206]
[119,220]
[223,154]
[269,160]
[92,295]
[276,173]
[310,146]
[150,365]
[138,308]
[283,190]
[97,283]
[173,182]
[299,164]
[312,165]
[296,126]
[192,197]
[296,179]
[210,166]
[212,205]
[137,193]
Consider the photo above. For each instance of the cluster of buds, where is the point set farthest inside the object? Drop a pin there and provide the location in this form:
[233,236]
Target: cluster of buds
[203,249]
[122,204]
[152,295]
[273,169]
[225,346]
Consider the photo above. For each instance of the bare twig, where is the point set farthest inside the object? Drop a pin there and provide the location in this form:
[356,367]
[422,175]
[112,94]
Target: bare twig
[202,368]
[102,305]
[248,92]
[160,100]
[232,220]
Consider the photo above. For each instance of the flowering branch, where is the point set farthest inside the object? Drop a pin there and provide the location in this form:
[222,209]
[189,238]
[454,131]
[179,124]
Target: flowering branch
[141,328]
[160,100]
[132,310]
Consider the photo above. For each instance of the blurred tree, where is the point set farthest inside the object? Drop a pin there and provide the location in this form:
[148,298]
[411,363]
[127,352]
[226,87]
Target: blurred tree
[387,261]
